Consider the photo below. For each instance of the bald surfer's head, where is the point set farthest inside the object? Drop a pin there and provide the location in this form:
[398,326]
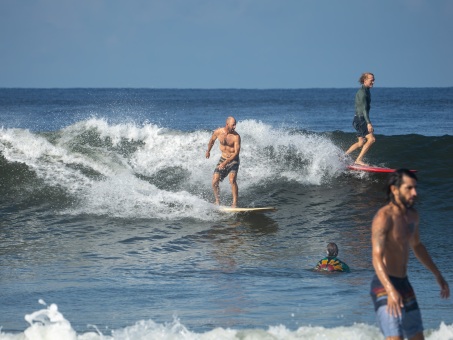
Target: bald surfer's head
[230,119]
[231,124]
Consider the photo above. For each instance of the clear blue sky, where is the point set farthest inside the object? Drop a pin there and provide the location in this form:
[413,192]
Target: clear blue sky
[225,43]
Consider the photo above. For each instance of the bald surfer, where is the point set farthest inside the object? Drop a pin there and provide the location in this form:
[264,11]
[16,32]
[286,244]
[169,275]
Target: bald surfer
[228,165]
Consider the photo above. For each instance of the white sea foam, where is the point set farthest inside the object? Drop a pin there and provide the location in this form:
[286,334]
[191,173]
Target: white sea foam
[50,324]
[165,174]
[304,158]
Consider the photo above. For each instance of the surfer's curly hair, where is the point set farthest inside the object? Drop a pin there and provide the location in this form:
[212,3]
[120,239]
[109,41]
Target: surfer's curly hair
[396,179]
[364,76]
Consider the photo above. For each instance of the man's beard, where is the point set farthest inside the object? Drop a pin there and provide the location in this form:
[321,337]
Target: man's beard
[405,202]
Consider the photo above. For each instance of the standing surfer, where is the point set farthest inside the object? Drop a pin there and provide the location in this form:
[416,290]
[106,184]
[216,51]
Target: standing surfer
[230,146]
[361,122]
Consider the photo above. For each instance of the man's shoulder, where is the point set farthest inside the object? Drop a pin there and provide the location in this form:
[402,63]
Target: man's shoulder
[218,131]
[390,211]
[361,90]
[235,135]
[386,210]
[384,215]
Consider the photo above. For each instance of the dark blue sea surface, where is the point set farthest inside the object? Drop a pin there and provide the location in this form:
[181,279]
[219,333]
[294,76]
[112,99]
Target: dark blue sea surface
[395,111]
[108,230]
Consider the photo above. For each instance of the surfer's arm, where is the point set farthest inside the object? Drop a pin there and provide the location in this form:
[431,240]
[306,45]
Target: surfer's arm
[211,143]
[423,256]
[367,118]
[380,228]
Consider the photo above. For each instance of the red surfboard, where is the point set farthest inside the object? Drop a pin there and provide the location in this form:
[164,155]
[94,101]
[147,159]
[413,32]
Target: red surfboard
[372,168]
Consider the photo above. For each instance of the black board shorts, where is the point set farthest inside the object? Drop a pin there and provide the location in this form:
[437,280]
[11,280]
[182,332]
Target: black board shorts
[360,125]
[233,166]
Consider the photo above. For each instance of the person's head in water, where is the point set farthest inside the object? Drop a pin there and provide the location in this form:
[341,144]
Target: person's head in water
[401,187]
[332,250]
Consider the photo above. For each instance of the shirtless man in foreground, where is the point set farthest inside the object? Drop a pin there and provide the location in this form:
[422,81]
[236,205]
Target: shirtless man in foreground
[230,146]
[395,229]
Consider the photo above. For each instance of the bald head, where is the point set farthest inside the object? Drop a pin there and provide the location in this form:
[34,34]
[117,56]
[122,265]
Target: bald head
[230,120]
[230,124]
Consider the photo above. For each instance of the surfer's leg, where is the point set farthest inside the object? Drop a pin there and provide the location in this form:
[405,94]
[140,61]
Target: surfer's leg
[355,146]
[215,187]
[370,139]
[360,126]
[234,188]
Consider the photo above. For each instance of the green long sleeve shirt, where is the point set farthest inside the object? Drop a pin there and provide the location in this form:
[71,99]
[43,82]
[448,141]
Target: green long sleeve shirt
[363,103]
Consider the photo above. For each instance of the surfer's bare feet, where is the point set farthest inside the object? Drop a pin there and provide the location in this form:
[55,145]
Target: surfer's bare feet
[217,203]
[361,163]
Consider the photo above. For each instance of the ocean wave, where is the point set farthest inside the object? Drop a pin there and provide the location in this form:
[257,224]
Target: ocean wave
[50,324]
[129,170]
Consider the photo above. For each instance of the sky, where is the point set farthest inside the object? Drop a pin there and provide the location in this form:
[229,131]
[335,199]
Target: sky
[257,44]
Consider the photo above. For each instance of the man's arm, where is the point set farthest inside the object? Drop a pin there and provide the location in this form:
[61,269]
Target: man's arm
[211,143]
[380,228]
[237,148]
[423,256]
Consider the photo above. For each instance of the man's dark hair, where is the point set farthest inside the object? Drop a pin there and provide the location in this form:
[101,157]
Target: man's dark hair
[396,179]
[332,249]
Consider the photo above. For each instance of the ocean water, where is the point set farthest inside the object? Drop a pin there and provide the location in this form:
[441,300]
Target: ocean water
[108,230]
